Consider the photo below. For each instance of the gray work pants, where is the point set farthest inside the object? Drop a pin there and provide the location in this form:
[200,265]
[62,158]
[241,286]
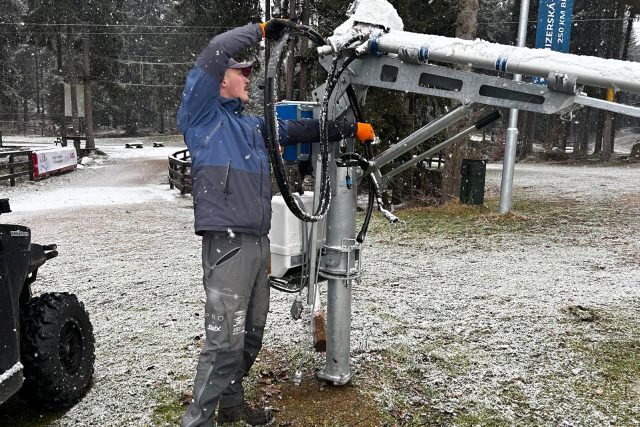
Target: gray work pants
[236,281]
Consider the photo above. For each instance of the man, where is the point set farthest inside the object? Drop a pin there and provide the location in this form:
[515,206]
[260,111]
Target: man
[232,204]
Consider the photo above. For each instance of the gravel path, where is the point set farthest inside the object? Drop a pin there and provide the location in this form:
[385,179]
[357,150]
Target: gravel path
[459,323]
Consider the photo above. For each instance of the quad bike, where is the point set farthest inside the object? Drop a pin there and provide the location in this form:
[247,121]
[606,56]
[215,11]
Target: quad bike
[46,342]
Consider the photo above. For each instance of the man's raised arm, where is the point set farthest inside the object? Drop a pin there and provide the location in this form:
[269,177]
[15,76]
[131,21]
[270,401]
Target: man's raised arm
[203,81]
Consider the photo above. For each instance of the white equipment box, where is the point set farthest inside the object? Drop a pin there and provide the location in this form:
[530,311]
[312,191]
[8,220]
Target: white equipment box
[289,235]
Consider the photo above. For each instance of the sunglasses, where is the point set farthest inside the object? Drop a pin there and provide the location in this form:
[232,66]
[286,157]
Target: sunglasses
[246,71]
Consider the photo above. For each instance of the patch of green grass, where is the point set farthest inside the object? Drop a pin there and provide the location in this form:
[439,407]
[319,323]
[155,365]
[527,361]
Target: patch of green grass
[251,383]
[400,354]
[402,368]
[168,410]
[449,360]
[480,417]
[455,219]
[513,393]
[582,314]
[615,387]
[397,325]
[609,377]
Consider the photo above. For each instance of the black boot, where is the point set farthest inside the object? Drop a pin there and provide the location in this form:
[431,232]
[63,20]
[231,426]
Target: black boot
[252,417]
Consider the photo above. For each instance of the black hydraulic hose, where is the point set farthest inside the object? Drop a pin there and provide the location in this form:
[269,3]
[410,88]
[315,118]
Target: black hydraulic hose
[332,80]
[373,193]
[272,139]
[374,190]
[487,120]
[371,197]
[272,128]
[272,125]
[362,162]
[353,99]
[311,34]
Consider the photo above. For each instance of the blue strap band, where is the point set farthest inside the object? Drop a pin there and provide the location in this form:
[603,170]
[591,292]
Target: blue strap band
[373,44]
[501,64]
[423,56]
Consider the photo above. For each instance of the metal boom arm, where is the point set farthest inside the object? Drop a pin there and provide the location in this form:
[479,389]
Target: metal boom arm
[588,70]
[398,60]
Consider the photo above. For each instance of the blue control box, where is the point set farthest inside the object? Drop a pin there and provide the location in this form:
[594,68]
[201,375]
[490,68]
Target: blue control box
[290,110]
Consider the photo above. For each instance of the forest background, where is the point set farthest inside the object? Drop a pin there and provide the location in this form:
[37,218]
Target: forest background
[133,56]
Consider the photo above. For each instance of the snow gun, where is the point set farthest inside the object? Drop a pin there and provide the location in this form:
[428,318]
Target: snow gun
[371,49]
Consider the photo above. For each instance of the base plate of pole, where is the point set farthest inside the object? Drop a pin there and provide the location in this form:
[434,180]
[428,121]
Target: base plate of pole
[334,379]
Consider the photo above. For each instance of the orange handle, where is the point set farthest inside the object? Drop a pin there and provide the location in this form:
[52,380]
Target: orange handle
[365,132]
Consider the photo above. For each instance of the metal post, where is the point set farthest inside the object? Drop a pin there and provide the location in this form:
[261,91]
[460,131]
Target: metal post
[90,143]
[512,131]
[291,65]
[12,171]
[340,266]
[337,368]
[30,166]
[267,48]
[313,258]
[183,184]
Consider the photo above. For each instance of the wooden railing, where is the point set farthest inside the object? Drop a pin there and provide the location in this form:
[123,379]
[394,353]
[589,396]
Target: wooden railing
[180,171]
[14,164]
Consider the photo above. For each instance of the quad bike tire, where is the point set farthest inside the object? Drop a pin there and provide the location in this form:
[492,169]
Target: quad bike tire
[57,350]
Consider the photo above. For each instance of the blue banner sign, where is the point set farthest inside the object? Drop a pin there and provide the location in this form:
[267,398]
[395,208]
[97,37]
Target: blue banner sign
[554,25]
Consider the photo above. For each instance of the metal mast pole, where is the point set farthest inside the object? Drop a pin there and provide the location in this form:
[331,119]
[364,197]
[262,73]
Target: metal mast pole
[340,265]
[512,131]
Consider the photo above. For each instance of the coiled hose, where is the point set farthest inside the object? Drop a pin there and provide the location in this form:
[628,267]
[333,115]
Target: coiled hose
[272,134]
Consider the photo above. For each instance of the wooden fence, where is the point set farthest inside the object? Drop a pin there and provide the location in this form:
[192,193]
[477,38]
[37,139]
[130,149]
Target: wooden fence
[180,171]
[14,164]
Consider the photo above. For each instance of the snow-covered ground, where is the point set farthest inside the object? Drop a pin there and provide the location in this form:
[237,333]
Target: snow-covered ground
[476,321]
[114,147]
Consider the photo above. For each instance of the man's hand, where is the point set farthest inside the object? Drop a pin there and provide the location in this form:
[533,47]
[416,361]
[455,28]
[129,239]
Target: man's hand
[365,132]
[274,28]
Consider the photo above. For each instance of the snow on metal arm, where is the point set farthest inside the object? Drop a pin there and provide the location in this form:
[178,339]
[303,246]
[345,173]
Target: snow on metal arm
[588,70]
[399,60]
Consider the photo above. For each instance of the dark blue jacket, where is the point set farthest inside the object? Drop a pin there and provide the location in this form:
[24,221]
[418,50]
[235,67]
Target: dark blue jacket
[229,158]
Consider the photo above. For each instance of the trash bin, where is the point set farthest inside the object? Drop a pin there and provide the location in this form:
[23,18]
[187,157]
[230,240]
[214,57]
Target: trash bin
[472,184]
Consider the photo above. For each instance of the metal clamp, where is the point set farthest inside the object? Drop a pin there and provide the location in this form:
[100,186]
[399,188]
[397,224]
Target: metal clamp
[414,55]
[356,260]
[340,267]
[564,83]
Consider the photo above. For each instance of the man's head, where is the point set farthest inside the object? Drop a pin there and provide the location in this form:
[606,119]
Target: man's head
[235,83]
